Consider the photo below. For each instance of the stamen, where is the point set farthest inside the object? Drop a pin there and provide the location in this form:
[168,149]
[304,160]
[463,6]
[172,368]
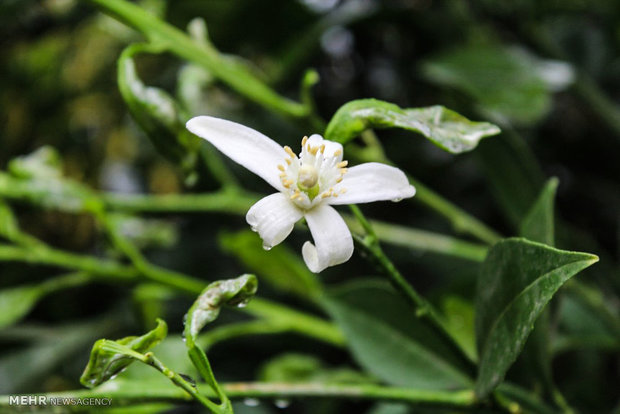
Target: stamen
[287,183]
[339,179]
[343,171]
[325,195]
[344,190]
[283,174]
[288,161]
[280,167]
[296,195]
[342,164]
[322,148]
[314,150]
[337,152]
[304,140]
[290,152]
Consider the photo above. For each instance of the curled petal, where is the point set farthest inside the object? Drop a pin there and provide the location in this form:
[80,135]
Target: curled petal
[273,217]
[334,244]
[245,146]
[372,181]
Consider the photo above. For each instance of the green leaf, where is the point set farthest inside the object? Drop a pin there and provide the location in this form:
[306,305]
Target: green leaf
[108,358]
[231,292]
[538,223]
[389,341]
[45,162]
[517,280]
[280,267]
[507,83]
[8,223]
[445,128]
[157,113]
[459,317]
[16,302]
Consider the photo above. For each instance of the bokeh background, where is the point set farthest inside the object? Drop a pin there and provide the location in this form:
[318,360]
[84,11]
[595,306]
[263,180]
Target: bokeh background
[547,72]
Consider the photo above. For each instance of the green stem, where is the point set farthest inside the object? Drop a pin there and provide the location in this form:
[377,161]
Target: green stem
[107,270]
[177,380]
[423,308]
[235,75]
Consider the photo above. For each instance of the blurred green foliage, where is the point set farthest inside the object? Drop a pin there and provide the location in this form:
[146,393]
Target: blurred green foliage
[547,72]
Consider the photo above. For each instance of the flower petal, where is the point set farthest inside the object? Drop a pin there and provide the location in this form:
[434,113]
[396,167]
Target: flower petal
[245,146]
[334,244]
[372,182]
[273,217]
[332,149]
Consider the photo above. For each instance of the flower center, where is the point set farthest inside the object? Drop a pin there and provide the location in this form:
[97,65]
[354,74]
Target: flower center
[316,174]
[308,177]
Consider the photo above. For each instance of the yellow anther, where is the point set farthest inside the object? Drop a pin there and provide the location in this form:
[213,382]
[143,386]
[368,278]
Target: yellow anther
[290,152]
[337,152]
[344,190]
[288,161]
[304,140]
[322,148]
[280,167]
[283,175]
[339,179]
[314,150]
[342,164]
[325,195]
[335,195]
[296,195]
[287,183]
[343,171]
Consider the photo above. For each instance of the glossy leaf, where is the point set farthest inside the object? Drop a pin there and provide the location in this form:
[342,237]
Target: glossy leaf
[8,223]
[280,267]
[389,341]
[108,358]
[507,83]
[231,292]
[445,128]
[517,280]
[538,224]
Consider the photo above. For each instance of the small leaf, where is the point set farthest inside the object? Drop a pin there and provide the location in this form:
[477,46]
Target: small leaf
[8,223]
[507,83]
[108,358]
[445,128]
[231,292]
[157,113]
[538,223]
[45,162]
[280,267]
[459,317]
[517,280]
[16,302]
[389,341]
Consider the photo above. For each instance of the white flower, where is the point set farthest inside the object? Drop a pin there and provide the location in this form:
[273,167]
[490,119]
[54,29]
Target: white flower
[307,187]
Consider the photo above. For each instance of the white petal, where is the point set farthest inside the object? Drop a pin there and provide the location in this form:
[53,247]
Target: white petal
[245,146]
[331,147]
[372,182]
[334,244]
[273,218]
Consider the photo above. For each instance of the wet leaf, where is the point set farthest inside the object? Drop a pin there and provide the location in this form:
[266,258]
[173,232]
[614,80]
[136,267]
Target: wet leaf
[517,280]
[231,292]
[538,224]
[389,341]
[108,358]
[16,302]
[445,128]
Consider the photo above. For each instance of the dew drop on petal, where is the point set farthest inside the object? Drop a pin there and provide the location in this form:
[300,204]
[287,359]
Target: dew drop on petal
[267,246]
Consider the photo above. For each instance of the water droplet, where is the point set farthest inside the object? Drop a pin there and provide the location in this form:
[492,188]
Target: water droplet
[251,402]
[267,246]
[396,200]
[282,403]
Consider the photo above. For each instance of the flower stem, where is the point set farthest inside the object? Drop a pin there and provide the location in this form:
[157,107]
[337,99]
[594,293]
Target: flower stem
[422,307]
